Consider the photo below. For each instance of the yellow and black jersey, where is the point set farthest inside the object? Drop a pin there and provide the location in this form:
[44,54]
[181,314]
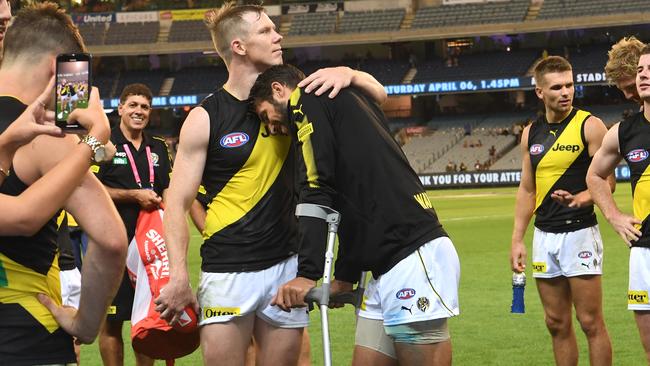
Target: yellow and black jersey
[560,158]
[118,173]
[248,180]
[634,145]
[28,266]
[349,161]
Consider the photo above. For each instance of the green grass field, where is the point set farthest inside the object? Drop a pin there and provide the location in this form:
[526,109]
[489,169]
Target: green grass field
[479,222]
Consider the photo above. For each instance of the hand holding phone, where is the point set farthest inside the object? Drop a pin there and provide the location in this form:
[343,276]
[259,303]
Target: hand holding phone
[73,86]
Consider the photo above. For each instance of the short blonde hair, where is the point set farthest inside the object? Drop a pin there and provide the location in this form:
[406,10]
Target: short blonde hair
[549,65]
[623,59]
[227,23]
[38,30]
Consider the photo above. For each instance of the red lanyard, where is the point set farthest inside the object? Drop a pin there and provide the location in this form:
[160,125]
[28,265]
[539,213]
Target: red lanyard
[136,175]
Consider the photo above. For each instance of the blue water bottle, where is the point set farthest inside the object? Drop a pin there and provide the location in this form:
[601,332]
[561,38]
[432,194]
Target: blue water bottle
[518,286]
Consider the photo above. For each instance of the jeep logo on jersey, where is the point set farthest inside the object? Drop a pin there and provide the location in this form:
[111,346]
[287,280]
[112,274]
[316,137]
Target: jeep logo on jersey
[637,155]
[234,139]
[405,293]
[536,149]
[570,148]
[584,254]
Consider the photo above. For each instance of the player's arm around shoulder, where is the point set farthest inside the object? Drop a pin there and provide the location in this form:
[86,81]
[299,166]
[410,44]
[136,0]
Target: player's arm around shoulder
[524,206]
[185,181]
[337,78]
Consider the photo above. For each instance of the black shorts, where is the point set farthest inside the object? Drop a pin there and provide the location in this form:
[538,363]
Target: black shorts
[120,309]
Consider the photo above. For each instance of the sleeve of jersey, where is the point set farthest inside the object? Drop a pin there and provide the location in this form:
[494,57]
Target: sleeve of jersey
[317,159]
[347,267]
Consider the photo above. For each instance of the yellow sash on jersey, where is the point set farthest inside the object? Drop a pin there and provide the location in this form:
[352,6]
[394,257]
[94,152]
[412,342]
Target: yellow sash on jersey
[641,196]
[22,284]
[566,149]
[247,187]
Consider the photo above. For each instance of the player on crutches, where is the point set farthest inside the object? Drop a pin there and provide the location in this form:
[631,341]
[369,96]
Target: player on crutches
[349,162]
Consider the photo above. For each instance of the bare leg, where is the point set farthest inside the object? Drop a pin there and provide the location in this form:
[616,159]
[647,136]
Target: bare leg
[111,345]
[438,354]
[643,323]
[305,350]
[277,346]
[555,294]
[364,356]
[587,297]
[225,344]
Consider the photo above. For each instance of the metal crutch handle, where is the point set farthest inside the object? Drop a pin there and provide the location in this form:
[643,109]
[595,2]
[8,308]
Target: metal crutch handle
[354,297]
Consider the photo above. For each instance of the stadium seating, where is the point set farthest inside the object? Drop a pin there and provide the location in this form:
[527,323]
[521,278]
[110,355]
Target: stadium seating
[509,160]
[93,33]
[313,24]
[463,14]
[587,58]
[468,151]
[371,21]
[578,8]
[153,79]
[188,31]
[422,151]
[198,80]
[476,66]
[132,33]
[105,84]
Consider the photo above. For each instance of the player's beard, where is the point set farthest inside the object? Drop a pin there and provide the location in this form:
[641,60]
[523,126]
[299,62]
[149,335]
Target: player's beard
[281,110]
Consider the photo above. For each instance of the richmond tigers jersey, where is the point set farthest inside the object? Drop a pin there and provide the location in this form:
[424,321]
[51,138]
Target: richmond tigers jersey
[348,160]
[560,158]
[249,183]
[28,266]
[634,145]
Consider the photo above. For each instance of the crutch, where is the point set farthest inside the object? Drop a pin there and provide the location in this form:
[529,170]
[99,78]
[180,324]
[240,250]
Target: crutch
[321,295]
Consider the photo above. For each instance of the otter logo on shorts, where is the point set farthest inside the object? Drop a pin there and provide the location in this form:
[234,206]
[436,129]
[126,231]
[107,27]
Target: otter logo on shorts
[423,304]
[539,267]
[637,297]
[220,311]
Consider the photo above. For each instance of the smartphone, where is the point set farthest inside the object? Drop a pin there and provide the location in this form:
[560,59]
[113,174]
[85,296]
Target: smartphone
[73,85]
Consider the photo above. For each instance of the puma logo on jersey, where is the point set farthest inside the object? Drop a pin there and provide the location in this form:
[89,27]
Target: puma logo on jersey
[298,110]
[568,148]
[553,132]
[423,200]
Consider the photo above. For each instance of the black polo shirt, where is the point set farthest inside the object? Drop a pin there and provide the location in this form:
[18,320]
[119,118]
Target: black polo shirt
[119,174]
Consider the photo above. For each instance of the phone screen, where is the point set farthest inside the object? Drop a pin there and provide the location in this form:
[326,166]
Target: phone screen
[72,87]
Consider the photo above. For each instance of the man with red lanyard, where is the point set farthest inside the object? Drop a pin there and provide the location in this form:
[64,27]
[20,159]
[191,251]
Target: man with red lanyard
[136,179]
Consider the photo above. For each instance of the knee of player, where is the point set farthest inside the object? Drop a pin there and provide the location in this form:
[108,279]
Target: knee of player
[557,324]
[423,332]
[590,323]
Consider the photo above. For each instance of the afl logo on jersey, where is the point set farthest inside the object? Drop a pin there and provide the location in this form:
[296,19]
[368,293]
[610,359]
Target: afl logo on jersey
[637,155]
[536,149]
[234,139]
